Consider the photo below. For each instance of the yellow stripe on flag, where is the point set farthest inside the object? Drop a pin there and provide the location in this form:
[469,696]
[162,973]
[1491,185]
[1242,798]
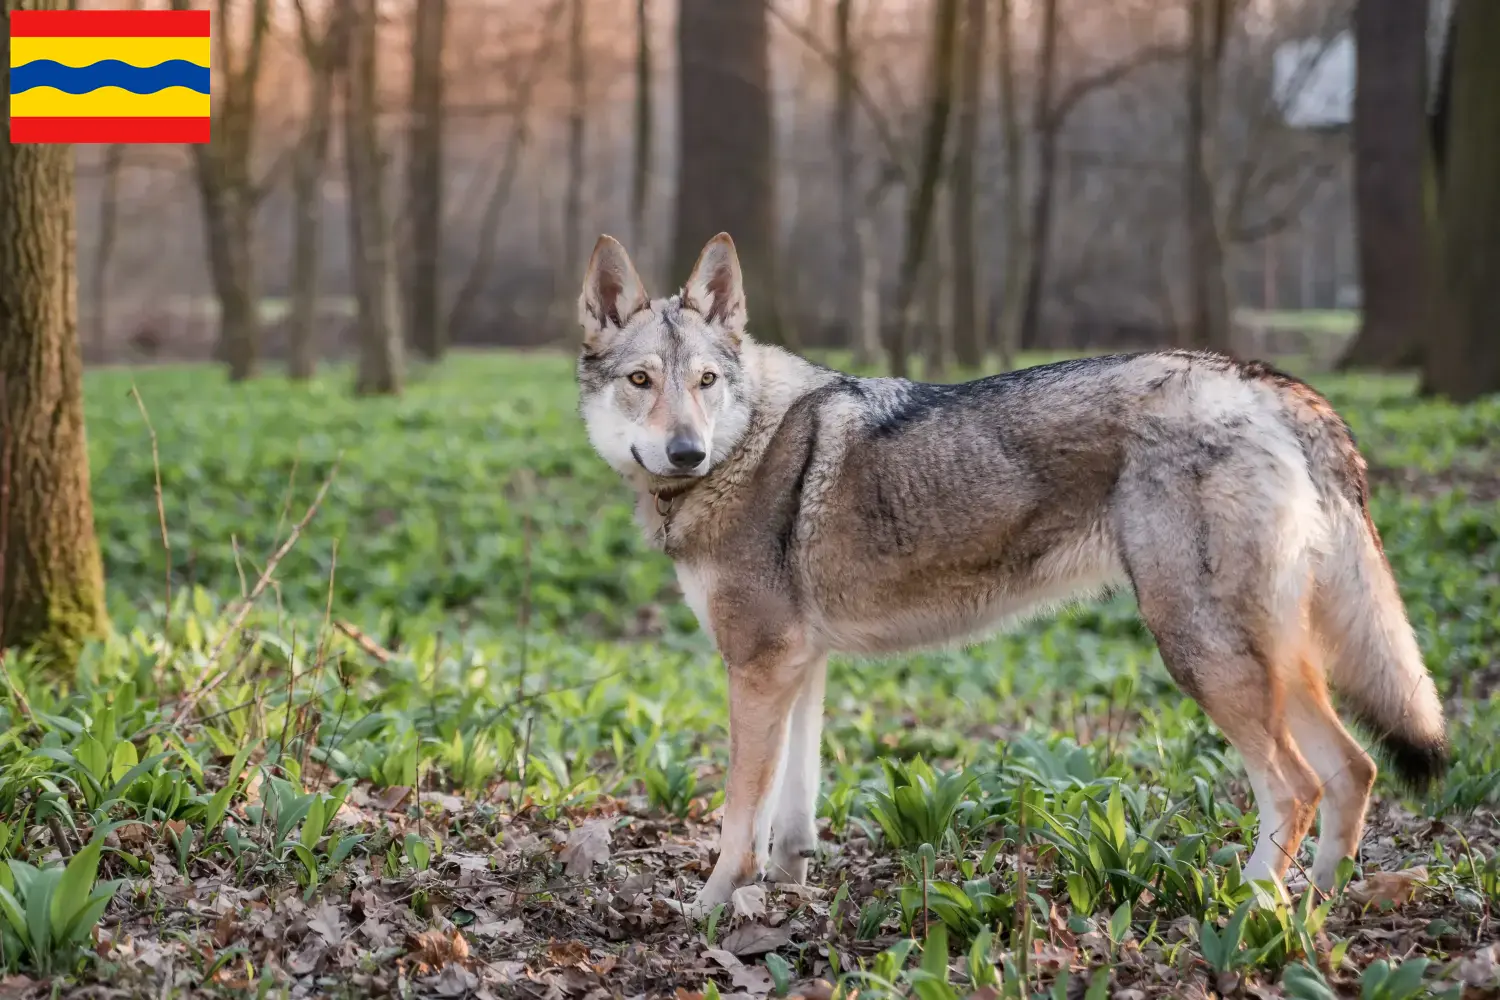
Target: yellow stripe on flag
[83,51]
[109,102]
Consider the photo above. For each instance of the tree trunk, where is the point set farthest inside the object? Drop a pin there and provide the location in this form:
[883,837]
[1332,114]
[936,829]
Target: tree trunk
[1048,125]
[937,309]
[374,272]
[968,325]
[323,51]
[1017,242]
[640,175]
[51,577]
[104,248]
[424,179]
[850,302]
[228,193]
[1462,360]
[1209,315]
[726,178]
[924,195]
[577,111]
[1389,146]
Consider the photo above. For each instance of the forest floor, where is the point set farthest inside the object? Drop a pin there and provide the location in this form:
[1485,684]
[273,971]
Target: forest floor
[405,707]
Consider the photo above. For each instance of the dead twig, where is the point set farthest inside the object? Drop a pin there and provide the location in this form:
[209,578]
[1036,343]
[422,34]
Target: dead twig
[365,643]
[161,509]
[237,620]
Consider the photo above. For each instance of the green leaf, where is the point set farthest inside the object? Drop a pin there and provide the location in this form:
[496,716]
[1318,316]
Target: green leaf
[1099,985]
[93,909]
[1119,924]
[935,952]
[308,862]
[1370,984]
[125,758]
[1406,981]
[90,753]
[75,884]
[11,908]
[128,778]
[39,896]
[312,824]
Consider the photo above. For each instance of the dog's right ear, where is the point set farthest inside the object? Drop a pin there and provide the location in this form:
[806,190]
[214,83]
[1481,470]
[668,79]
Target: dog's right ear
[612,293]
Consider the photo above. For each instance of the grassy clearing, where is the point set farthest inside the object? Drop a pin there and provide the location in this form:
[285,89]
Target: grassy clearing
[468,741]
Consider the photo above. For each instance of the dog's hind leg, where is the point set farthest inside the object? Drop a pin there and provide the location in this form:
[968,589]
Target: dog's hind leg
[762,690]
[1344,770]
[1221,577]
[794,831]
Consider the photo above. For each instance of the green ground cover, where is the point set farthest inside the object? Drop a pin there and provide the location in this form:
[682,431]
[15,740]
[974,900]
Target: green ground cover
[468,740]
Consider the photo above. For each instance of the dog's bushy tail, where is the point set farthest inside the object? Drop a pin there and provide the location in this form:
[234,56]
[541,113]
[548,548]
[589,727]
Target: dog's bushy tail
[1371,654]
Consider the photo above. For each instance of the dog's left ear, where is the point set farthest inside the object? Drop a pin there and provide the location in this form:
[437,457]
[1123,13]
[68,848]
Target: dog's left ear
[612,293]
[716,288]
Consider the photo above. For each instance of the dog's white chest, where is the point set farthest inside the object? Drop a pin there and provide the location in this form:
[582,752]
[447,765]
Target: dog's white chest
[697,583]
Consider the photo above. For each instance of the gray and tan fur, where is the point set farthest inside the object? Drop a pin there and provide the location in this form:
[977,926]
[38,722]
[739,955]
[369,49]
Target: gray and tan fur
[811,512]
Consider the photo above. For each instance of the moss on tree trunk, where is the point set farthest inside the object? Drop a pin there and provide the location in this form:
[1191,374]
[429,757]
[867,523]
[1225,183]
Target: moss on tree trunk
[52,588]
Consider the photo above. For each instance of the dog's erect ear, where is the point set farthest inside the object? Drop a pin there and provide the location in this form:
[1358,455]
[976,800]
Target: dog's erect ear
[715,287]
[612,293]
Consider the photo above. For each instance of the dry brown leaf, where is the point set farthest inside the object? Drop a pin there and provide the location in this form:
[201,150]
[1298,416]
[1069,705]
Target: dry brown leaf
[327,923]
[435,949]
[749,901]
[587,844]
[753,979]
[755,939]
[567,953]
[499,928]
[1389,889]
[453,981]
[822,989]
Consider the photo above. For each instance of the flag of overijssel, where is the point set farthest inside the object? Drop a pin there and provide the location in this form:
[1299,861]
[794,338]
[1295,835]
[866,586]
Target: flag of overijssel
[109,76]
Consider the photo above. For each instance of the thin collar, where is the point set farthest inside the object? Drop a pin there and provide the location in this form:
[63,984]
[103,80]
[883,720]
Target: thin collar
[665,499]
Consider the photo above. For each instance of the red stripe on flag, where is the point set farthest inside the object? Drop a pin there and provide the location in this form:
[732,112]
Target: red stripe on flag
[109,129]
[109,23]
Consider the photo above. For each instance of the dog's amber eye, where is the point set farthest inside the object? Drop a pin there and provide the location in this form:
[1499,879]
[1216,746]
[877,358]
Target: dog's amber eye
[709,378]
[640,379]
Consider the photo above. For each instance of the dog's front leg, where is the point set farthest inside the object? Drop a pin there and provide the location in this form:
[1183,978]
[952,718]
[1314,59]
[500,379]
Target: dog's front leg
[794,835]
[761,693]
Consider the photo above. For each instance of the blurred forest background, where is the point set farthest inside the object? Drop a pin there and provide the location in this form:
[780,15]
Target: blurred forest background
[937,182]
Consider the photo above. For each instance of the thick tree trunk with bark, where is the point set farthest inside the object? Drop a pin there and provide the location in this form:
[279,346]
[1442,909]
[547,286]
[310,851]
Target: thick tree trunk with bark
[370,244]
[968,326]
[923,196]
[1389,145]
[1462,359]
[1209,312]
[51,578]
[1017,242]
[424,180]
[726,179]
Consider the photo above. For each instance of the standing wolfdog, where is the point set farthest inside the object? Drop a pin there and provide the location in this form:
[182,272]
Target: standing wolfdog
[811,512]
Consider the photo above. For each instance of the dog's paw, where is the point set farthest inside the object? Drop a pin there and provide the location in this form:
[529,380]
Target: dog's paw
[790,865]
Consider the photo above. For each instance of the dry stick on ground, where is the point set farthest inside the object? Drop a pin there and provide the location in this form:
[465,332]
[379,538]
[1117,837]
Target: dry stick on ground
[192,698]
[161,510]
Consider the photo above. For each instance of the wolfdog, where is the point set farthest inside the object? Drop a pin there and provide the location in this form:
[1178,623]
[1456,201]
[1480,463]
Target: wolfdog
[811,512]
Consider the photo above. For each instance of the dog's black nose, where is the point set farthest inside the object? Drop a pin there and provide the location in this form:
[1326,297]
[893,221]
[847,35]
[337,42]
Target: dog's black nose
[685,452]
